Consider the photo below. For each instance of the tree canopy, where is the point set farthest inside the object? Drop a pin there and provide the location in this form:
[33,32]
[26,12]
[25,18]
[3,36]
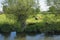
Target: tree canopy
[20,8]
[55,5]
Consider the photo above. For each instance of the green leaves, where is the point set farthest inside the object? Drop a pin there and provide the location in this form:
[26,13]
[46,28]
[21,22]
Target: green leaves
[54,6]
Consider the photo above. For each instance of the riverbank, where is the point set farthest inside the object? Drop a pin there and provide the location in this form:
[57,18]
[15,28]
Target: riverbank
[43,23]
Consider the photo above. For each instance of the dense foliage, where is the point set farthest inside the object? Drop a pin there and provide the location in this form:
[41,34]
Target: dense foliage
[24,15]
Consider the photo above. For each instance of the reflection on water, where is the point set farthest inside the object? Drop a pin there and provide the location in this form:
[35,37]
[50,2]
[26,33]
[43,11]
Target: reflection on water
[1,37]
[14,36]
[56,37]
[36,37]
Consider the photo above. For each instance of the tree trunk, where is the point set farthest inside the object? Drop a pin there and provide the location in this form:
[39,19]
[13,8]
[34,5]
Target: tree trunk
[23,25]
[22,19]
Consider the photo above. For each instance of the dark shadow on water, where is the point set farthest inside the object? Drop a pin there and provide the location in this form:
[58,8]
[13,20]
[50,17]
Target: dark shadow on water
[32,33]
[6,34]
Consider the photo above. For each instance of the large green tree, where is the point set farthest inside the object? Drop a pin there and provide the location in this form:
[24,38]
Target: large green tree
[20,8]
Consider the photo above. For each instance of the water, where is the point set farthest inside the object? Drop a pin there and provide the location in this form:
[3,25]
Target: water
[14,36]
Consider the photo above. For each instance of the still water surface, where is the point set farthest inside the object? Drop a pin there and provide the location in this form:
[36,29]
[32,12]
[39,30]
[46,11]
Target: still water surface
[14,36]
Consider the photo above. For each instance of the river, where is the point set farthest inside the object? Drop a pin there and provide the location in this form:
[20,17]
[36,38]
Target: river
[15,36]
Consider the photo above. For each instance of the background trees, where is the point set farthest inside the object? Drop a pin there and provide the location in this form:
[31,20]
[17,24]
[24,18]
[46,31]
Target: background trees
[54,5]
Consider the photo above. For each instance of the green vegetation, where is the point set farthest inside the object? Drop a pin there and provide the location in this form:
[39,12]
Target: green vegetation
[6,24]
[25,15]
[45,22]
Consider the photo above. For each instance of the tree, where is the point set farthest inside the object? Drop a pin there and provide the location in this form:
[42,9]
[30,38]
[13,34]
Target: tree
[20,8]
[55,5]
[52,9]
